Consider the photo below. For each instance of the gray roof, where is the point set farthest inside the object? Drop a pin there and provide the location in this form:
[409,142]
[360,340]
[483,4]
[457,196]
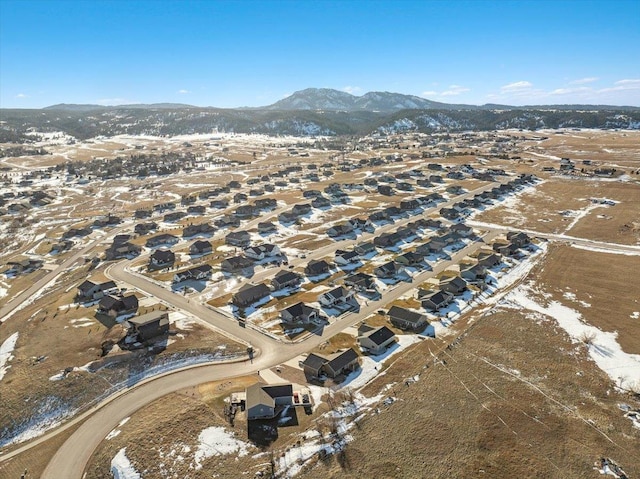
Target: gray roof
[314,361]
[406,315]
[338,361]
[380,335]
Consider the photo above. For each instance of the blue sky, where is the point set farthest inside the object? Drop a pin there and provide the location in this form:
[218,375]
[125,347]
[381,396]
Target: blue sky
[252,53]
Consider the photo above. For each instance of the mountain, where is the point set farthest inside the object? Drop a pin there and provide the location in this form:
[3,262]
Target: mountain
[138,106]
[314,111]
[379,101]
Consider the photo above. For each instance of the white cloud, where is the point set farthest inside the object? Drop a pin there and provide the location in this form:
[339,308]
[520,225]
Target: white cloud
[621,92]
[351,89]
[115,101]
[583,81]
[183,91]
[635,83]
[22,95]
[454,90]
[519,85]
[568,91]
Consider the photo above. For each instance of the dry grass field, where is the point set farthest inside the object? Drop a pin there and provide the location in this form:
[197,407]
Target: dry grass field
[598,286]
[563,206]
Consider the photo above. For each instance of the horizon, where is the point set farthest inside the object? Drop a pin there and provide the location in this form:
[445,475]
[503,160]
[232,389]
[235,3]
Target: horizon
[247,54]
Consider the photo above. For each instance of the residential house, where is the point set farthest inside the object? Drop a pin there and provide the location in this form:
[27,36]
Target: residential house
[173,216]
[265,401]
[161,258]
[90,291]
[301,209]
[341,363]
[114,306]
[338,230]
[299,313]
[145,228]
[361,282]
[227,221]
[345,258]
[266,204]
[453,284]
[200,247]
[161,239]
[387,240]
[449,213]
[235,264]
[196,210]
[461,229]
[332,366]
[505,249]
[197,273]
[249,294]
[122,250]
[238,238]
[287,217]
[410,259]
[389,270]
[409,204]
[149,326]
[23,266]
[385,190]
[219,204]
[362,224]
[473,273]
[262,251]
[406,319]
[285,279]
[364,249]
[193,230]
[336,297]
[240,198]
[312,193]
[434,300]
[316,267]
[518,238]
[266,227]
[488,259]
[246,211]
[376,340]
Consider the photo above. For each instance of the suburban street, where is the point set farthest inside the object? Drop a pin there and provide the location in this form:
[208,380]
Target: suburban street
[269,352]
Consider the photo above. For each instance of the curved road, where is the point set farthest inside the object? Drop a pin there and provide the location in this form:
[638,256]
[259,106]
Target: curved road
[71,458]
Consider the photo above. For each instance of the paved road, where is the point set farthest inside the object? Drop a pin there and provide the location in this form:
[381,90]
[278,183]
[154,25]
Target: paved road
[588,243]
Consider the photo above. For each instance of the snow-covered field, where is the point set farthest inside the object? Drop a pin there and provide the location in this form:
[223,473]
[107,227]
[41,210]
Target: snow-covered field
[6,350]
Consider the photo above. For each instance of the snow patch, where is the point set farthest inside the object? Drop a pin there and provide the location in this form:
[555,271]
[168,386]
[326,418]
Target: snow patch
[121,467]
[6,349]
[215,441]
[604,349]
